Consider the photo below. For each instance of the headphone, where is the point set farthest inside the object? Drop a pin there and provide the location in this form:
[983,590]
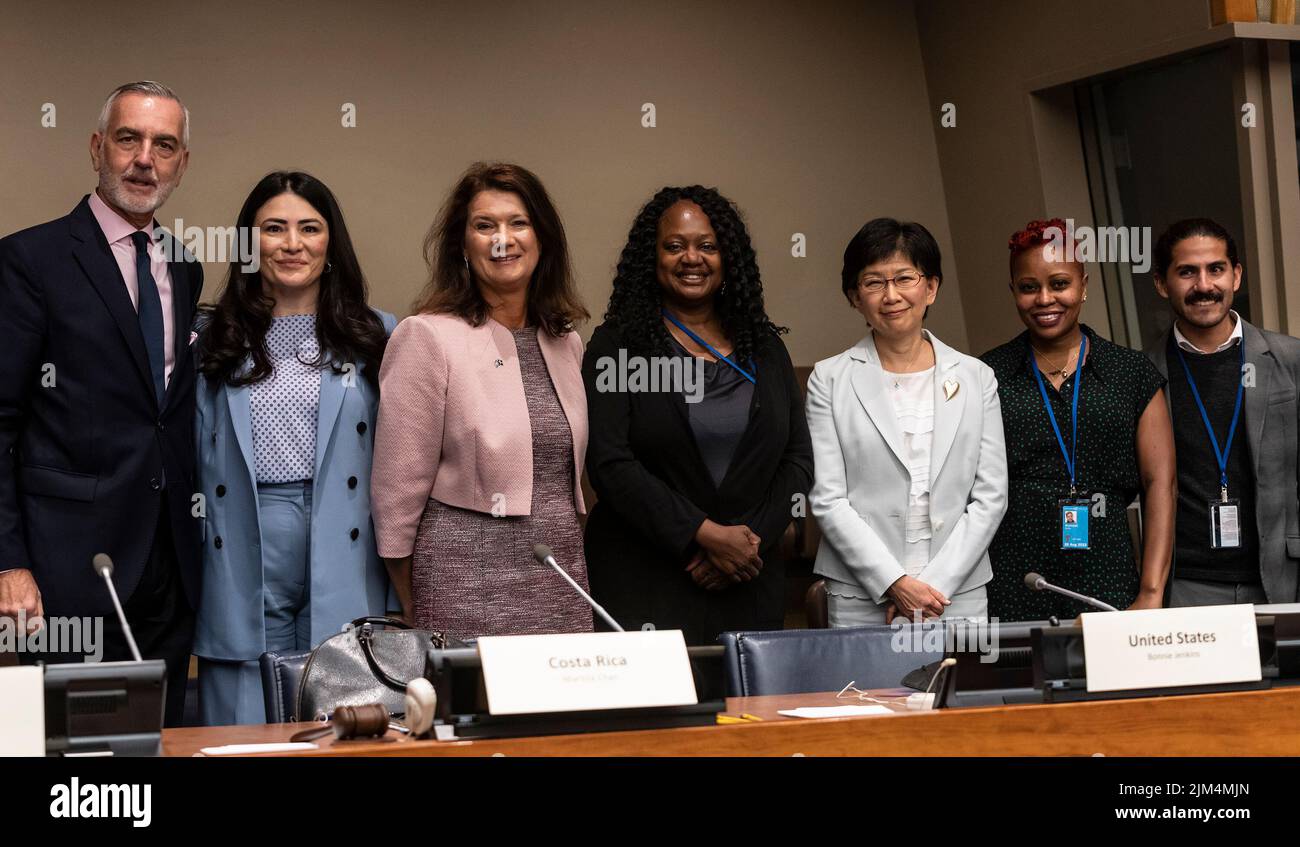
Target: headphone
[421,706]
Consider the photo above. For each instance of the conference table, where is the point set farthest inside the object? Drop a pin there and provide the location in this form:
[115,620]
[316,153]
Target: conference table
[1242,723]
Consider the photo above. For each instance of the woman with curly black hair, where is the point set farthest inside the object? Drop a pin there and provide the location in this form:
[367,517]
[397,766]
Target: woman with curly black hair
[699,450]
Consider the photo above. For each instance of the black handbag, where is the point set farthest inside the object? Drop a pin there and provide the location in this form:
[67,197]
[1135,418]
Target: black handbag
[364,664]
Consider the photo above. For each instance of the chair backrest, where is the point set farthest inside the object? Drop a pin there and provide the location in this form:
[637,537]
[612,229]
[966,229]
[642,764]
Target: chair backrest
[281,674]
[796,661]
[815,606]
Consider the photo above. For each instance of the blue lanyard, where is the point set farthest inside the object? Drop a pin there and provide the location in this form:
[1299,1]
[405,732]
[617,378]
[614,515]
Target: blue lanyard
[709,347]
[1221,455]
[1070,455]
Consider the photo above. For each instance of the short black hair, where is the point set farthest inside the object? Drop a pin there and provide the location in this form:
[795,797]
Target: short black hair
[881,238]
[1190,228]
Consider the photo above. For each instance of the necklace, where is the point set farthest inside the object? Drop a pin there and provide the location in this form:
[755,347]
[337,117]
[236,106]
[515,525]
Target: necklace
[1061,371]
[908,367]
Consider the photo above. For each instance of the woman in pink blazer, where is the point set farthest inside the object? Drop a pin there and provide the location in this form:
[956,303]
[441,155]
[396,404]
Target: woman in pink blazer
[482,424]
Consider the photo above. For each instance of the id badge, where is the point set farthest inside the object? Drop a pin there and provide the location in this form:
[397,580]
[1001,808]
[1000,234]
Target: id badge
[1225,526]
[1074,523]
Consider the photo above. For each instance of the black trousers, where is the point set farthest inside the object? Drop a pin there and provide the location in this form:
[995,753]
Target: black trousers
[161,620]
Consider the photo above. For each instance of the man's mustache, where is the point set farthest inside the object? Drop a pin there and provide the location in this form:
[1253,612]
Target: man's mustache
[1197,299]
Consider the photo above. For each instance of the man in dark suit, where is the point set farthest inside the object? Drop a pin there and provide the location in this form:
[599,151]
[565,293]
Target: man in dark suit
[97,400]
[1238,524]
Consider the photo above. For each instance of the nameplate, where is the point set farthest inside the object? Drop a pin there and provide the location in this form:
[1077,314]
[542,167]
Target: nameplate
[1161,648]
[22,711]
[526,674]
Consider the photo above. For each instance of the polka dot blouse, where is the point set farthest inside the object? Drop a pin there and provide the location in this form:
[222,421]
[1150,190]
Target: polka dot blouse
[286,404]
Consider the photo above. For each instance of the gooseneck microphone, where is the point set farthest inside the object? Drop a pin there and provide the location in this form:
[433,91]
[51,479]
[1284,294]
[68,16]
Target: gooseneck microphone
[542,553]
[104,567]
[1035,582]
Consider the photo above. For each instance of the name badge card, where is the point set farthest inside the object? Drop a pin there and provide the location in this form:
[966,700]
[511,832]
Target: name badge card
[1161,648]
[22,711]
[1074,523]
[1225,528]
[526,674]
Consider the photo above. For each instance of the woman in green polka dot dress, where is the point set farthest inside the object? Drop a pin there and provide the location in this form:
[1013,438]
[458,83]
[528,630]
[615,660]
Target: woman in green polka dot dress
[1125,448]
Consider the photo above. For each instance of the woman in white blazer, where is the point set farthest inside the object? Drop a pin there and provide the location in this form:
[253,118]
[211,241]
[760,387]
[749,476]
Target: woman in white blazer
[910,461]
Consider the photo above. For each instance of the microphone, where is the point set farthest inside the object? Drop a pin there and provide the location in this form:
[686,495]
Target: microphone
[542,553]
[1035,582]
[104,567]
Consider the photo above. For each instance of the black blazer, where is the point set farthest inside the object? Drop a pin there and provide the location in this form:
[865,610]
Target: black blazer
[654,491]
[86,456]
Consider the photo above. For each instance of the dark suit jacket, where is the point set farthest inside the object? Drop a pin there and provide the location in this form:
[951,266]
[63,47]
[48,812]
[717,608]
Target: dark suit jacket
[1270,422]
[87,458]
[654,491]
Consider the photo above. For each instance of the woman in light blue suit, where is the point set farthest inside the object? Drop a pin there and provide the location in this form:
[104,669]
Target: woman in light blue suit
[910,476]
[287,396]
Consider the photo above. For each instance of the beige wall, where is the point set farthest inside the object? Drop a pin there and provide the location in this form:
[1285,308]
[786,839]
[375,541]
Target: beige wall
[981,57]
[812,117]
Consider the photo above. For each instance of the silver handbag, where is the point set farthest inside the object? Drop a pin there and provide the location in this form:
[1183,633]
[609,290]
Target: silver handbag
[365,664]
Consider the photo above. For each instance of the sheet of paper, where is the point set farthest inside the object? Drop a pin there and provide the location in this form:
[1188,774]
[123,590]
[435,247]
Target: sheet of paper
[22,711]
[835,711]
[242,749]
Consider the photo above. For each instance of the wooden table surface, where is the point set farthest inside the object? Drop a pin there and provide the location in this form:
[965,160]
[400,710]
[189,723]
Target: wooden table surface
[1248,723]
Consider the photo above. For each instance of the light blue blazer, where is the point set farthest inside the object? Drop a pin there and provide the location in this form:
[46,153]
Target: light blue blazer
[862,486]
[347,579]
